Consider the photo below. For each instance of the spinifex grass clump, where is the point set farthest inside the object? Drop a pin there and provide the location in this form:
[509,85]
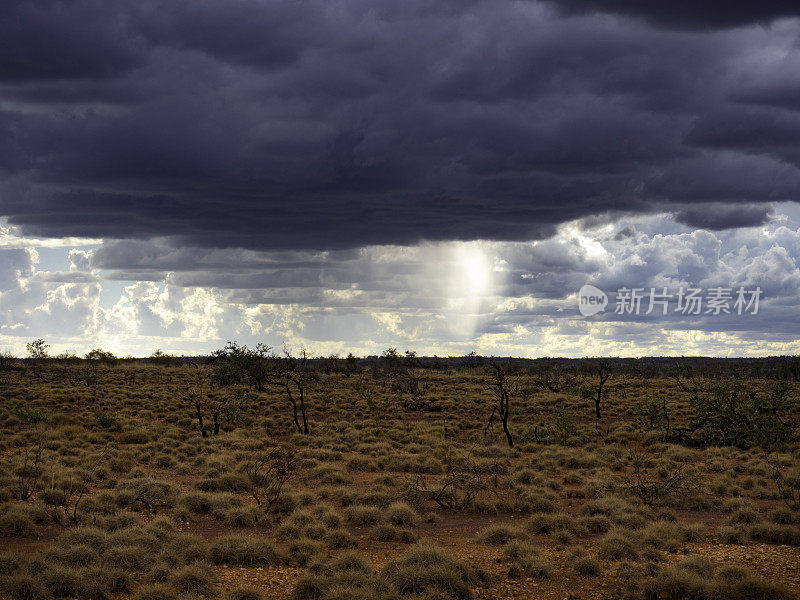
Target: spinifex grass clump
[426,568]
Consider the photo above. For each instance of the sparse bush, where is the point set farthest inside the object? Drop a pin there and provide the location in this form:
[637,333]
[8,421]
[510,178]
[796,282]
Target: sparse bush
[347,577]
[362,515]
[426,569]
[617,546]
[401,514]
[197,580]
[463,480]
[155,591]
[583,563]
[245,551]
[656,484]
[788,484]
[244,593]
[499,535]
[16,524]
[386,532]
[775,534]
[267,472]
[146,494]
[525,561]
[732,535]
[304,550]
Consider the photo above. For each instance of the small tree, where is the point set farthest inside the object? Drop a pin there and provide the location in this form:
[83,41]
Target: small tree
[687,376]
[296,377]
[557,427]
[471,361]
[503,385]
[791,367]
[653,415]
[159,357]
[6,358]
[217,404]
[351,365]
[37,349]
[102,356]
[391,360]
[553,376]
[240,364]
[597,372]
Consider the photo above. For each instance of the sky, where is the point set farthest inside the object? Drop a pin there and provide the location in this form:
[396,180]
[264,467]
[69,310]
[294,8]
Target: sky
[347,175]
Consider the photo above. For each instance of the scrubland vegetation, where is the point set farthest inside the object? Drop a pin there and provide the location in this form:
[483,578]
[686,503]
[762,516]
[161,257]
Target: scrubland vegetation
[250,475]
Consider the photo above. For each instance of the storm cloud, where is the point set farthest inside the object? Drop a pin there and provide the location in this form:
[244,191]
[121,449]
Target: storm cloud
[331,125]
[353,174]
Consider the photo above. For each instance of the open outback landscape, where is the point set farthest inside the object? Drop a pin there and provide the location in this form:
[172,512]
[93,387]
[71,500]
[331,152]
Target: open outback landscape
[249,474]
[417,300]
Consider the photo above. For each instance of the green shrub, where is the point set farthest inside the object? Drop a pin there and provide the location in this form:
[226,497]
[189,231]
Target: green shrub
[735,413]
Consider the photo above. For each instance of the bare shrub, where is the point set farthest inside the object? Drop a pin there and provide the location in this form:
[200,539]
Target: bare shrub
[268,471]
[657,484]
[788,484]
[463,480]
[27,468]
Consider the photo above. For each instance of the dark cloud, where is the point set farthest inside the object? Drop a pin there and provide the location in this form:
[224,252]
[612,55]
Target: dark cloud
[688,14]
[316,125]
[718,217]
[625,232]
[56,40]
[746,129]
[783,94]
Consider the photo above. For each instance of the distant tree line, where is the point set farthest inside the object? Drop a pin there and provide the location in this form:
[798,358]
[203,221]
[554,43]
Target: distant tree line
[728,405]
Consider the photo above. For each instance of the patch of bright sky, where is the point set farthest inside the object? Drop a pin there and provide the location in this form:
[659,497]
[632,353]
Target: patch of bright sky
[111,291]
